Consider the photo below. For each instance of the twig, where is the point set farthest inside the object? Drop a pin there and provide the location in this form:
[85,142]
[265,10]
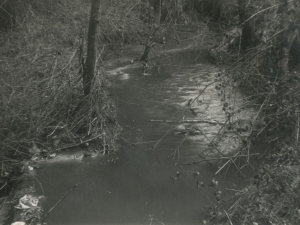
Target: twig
[157,143]
[237,166]
[220,158]
[222,167]
[273,6]
[228,217]
[77,144]
[230,160]
[41,186]
[297,129]
[188,121]
[131,8]
[201,92]
[210,142]
[178,148]
[3,185]
[100,54]
[230,189]
[205,160]
[58,203]
[275,34]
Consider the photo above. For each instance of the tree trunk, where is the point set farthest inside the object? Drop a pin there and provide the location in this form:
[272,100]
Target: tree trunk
[247,32]
[89,74]
[148,47]
[284,42]
[157,10]
[285,39]
[7,15]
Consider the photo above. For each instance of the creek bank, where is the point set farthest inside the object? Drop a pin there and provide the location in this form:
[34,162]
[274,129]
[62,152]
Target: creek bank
[145,180]
[177,85]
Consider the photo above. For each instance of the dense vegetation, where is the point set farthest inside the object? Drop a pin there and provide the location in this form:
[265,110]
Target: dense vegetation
[260,42]
[53,96]
[42,102]
[44,107]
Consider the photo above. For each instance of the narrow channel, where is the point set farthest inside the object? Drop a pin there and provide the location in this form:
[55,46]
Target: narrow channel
[145,182]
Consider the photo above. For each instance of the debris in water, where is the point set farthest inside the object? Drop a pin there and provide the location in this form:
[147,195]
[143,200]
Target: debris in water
[196,173]
[173,178]
[214,183]
[199,184]
[18,223]
[27,202]
[30,168]
[218,197]
[53,155]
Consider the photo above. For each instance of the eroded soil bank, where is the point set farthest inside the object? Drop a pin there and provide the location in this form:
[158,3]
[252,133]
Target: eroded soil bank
[147,181]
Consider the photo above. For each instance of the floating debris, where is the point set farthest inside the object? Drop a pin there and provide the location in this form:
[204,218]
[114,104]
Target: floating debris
[218,197]
[18,223]
[199,184]
[173,178]
[214,183]
[196,173]
[53,155]
[27,202]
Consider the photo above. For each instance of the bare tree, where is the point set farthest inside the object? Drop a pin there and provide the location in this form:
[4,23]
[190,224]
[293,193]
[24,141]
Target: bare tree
[89,73]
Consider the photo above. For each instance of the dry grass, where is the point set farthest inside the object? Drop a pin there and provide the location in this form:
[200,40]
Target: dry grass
[41,96]
[272,198]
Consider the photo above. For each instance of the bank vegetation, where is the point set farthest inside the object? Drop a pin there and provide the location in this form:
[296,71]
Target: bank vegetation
[45,105]
[259,50]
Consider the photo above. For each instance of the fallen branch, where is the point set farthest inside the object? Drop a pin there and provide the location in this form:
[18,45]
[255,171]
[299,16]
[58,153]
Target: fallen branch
[188,121]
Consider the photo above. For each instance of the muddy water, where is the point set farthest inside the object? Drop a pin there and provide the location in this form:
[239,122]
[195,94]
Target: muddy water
[137,185]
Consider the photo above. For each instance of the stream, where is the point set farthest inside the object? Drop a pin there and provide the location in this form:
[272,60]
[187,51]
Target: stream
[146,181]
